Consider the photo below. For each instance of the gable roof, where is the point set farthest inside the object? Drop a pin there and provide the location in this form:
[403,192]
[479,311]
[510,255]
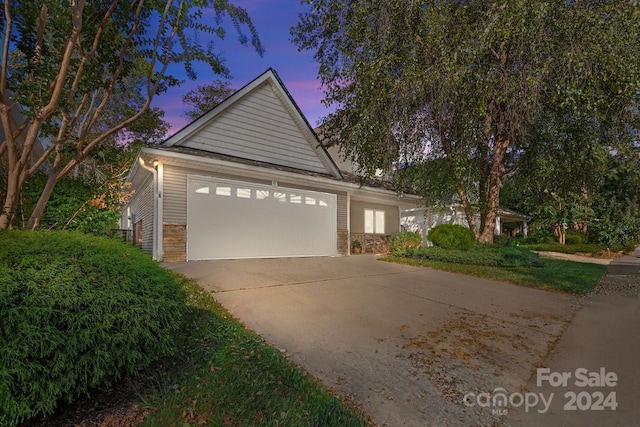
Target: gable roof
[260,122]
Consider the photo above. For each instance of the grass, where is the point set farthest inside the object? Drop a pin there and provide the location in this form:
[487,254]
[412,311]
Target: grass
[227,375]
[556,275]
[591,248]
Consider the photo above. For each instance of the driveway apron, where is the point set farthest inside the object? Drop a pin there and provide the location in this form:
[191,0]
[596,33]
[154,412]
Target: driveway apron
[413,346]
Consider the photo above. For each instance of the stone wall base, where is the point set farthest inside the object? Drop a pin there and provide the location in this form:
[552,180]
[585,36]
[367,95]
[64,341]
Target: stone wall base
[174,242]
[371,243]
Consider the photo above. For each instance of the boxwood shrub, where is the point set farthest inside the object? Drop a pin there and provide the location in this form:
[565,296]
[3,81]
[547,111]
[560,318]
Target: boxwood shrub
[77,312]
[452,236]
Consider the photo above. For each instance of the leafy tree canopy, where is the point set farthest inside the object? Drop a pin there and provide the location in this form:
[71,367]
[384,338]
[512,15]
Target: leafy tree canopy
[64,62]
[205,97]
[453,87]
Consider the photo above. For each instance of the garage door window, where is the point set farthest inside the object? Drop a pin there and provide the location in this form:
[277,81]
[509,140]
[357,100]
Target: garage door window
[373,221]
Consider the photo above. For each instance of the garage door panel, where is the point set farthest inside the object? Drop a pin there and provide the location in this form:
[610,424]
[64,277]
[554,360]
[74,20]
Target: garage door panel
[232,219]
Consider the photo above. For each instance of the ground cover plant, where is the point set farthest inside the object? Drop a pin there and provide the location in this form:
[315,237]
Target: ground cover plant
[510,264]
[219,373]
[76,312]
[479,254]
[587,248]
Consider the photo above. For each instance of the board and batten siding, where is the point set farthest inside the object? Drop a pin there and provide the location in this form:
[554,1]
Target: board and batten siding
[259,127]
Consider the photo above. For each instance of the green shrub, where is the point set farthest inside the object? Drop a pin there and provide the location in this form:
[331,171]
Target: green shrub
[568,249]
[547,240]
[451,236]
[77,311]
[537,236]
[501,240]
[400,242]
[573,239]
[480,254]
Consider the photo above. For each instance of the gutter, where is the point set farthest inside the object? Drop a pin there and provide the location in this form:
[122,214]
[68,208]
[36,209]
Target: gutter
[158,184]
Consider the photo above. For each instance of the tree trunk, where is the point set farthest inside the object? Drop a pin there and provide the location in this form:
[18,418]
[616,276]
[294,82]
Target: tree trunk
[493,189]
[34,219]
[560,232]
[468,211]
[15,179]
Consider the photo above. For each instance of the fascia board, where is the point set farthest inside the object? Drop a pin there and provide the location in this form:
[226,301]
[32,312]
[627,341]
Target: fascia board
[257,172]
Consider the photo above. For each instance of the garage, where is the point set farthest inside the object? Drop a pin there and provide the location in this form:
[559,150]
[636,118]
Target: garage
[235,219]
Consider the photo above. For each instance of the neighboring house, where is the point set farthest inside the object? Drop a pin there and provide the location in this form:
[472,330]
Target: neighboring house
[421,220]
[250,179]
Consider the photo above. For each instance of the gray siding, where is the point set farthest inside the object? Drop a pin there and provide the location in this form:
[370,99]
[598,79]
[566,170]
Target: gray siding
[259,127]
[175,190]
[175,193]
[142,209]
[343,212]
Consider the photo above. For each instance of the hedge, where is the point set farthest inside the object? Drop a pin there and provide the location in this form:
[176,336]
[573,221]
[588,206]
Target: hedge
[480,254]
[77,312]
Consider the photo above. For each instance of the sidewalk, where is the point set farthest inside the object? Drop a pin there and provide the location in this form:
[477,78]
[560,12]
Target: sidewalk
[601,344]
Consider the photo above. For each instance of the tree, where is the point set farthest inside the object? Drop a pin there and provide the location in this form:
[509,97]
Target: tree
[458,83]
[617,206]
[205,97]
[560,169]
[62,62]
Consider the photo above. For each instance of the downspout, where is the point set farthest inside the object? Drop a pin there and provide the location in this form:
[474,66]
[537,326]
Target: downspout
[154,172]
[348,223]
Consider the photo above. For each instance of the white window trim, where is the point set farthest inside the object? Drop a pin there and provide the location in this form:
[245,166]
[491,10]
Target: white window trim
[376,220]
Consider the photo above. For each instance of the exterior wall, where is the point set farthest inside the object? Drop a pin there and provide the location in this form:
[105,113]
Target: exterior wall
[141,210]
[174,246]
[259,127]
[372,243]
[391,217]
[343,224]
[175,205]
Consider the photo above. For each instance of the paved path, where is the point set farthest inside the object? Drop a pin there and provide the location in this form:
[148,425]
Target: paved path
[408,343]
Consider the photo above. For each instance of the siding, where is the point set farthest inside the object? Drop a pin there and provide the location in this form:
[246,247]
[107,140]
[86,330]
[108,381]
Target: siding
[259,127]
[175,190]
[175,193]
[343,212]
[142,209]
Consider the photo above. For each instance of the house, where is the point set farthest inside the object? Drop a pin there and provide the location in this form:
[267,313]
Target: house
[421,220]
[250,179]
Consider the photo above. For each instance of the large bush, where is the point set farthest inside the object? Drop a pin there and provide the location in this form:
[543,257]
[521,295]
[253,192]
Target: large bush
[451,236]
[404,240]
[76,312]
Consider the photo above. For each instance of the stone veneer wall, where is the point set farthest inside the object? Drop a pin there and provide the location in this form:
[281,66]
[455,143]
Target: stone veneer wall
[372,243]
[174,242]
[343,242]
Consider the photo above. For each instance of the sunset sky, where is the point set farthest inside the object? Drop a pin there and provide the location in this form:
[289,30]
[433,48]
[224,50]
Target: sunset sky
[298,70]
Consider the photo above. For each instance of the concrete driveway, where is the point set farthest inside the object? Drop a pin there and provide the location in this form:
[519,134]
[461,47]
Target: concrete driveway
[407,343]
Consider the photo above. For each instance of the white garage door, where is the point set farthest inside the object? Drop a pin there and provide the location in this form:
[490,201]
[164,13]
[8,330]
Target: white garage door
[235,219]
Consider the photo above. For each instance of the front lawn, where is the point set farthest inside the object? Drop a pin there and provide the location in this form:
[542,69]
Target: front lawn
[76,300]
[550,274]
[227,375]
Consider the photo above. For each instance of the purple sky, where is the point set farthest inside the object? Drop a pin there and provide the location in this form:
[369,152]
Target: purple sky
[298,70]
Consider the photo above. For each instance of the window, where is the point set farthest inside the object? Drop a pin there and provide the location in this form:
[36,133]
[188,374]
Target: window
[373,221]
